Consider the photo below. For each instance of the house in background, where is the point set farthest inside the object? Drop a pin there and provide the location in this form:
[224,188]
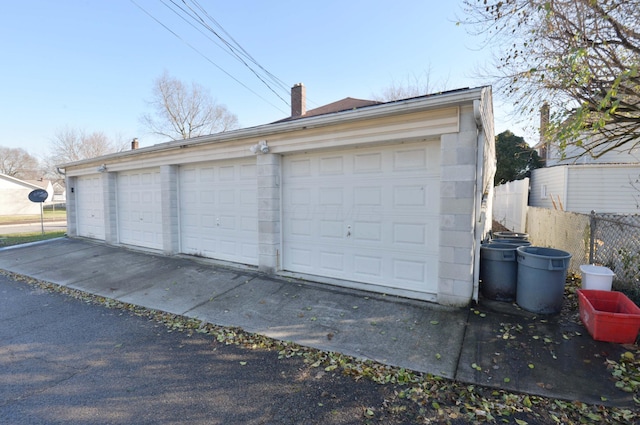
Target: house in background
[14,195]
[581,183]
[59,193]
[386,197]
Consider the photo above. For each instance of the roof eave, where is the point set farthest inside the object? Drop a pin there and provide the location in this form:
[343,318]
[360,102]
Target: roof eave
[263,131]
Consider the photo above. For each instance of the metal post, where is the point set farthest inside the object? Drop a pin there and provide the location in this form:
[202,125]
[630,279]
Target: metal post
[42,216]
[592,236]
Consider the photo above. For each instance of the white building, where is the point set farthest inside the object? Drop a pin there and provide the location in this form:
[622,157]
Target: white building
[389,197]
[14,195]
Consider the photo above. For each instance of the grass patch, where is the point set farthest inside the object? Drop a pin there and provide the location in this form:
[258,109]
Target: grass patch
[48,215]
[29,237]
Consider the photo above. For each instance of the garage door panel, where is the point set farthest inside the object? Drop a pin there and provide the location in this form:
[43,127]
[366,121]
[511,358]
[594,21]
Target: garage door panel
[409,233]
[366,231]
[367,266]
[140,208]
[221,197]
[90,207]
[330,229]
[248,172]
[367,163]
[332,261]
[408,270]
[370,215]
[409,159]
[301,259]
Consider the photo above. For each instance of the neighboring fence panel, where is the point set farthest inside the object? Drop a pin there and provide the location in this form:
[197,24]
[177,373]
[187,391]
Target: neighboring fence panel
[510,204]
[561,230]
[616,244]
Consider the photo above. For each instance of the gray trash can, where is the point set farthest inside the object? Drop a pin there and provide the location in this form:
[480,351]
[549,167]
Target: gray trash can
[498,271]
[542,273]
[516,242]
[511,236]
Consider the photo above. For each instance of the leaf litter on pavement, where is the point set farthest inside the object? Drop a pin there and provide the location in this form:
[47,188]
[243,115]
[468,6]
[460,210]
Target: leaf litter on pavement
[417,398]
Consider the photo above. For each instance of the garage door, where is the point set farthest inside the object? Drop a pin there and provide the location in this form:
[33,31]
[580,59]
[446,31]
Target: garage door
[367,215]
[90,206]
[140,208]
[219,210]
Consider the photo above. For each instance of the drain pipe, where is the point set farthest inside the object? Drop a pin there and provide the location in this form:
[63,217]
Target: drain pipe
[480,199]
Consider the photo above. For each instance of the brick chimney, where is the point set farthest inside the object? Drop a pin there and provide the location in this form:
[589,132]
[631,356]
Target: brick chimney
[134,144]
[298,100]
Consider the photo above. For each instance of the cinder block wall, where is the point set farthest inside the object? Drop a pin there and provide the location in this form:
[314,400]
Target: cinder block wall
[457,195]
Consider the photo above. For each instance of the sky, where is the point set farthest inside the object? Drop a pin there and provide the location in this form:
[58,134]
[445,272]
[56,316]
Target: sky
[90,64]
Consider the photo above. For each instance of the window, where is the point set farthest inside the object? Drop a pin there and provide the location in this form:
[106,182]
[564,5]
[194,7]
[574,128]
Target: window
[543,191]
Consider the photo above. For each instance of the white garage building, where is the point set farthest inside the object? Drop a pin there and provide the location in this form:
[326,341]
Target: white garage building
[387,197]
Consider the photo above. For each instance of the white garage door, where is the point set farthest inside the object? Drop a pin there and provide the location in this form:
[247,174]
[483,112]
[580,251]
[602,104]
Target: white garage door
[90,206]
[140,208]
[219,210]
[367,215]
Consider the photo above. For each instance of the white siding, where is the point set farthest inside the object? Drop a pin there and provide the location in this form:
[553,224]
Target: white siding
[551,180]
[576,155]
[14,199]
[603,188]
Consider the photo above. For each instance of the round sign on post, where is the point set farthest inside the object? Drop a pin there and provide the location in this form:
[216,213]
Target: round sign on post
[39,196]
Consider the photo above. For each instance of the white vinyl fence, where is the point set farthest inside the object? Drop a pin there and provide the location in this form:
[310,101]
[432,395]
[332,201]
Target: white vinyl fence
[510,204]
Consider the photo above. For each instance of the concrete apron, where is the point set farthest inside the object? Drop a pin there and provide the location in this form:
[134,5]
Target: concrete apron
[412,334]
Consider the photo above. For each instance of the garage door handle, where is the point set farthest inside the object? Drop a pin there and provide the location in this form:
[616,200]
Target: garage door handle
[348,231]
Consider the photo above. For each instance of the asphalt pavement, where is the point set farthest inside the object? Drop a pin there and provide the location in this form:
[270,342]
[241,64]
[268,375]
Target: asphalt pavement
[493,344]
[64,361]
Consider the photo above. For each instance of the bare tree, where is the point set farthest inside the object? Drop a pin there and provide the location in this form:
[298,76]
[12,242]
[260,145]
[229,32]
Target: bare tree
[183,112]
[69,145]
[415,85]
[18,163]
[580,56]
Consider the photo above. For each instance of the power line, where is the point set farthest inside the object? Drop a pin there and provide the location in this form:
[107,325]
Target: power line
[203,55]
[237,51]
[275,79]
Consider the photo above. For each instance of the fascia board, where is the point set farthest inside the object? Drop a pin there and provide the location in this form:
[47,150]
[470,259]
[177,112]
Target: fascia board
[266,130]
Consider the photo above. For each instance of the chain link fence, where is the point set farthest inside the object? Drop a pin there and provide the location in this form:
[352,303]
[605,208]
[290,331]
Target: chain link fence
[615,243]
[609,240]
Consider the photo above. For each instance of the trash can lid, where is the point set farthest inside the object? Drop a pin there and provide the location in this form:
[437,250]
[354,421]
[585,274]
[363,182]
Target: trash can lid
[597,270]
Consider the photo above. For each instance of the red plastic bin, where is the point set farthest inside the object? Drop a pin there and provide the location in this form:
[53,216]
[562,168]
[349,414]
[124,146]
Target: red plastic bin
[609,316]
